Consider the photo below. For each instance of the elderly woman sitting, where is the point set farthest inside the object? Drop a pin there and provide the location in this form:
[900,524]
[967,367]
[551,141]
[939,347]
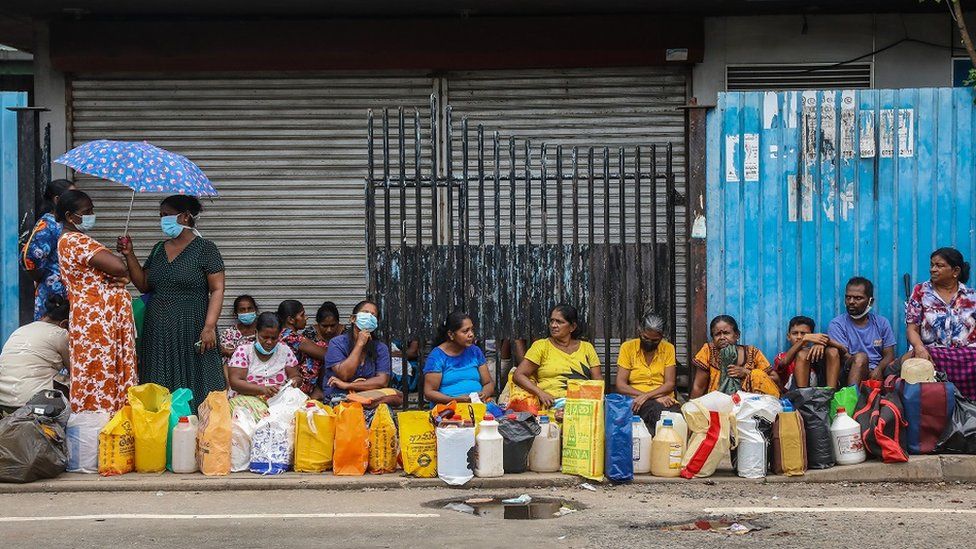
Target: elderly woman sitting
[647,370]
[725,366]
[941,320]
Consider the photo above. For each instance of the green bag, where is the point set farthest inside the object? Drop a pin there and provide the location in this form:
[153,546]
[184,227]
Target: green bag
[845,398]
[180,407]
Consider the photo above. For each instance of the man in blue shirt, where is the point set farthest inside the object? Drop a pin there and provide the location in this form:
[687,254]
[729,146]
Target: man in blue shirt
[864,339]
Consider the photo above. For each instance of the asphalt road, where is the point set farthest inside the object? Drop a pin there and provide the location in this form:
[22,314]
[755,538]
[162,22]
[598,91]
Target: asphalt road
[807,515]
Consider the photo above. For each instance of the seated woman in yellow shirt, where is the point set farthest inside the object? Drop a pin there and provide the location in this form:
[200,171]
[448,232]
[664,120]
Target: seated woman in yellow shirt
[647,371]
[550,363]
[726,366]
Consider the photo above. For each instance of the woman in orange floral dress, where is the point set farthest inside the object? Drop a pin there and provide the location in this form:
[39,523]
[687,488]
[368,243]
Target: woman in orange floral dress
[102,343]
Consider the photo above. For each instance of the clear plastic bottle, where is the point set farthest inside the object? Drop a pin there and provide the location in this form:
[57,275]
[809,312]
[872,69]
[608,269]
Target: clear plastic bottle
[185,446]
[545,456]
[642,446]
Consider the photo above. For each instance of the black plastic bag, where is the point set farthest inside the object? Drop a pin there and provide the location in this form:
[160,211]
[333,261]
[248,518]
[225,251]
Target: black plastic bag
[33,441]
[518,431]
[959,436]
[813,403]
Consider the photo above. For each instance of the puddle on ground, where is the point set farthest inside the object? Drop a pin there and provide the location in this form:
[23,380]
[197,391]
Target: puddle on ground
[518,507]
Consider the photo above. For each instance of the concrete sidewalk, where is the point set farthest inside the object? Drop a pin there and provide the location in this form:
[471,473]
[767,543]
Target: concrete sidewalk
[920,469]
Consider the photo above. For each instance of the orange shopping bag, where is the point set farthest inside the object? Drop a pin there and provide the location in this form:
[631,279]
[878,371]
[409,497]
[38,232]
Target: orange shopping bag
[352,440]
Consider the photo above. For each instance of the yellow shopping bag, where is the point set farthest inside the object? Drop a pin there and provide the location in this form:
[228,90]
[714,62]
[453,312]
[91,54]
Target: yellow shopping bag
[418,444]
[583,429]
[314,438]
[116,445]
[150,425]
[214,434]
[383,444]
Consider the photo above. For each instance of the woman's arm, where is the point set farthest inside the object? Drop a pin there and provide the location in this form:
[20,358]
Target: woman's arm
[294,376]
[346,370]
[522,378]
[487,385]
[378,381]
[208,337]
[237,379]
[432,385]
[311,349]
[915,339]
[137,274]
[109,263]
[702,377]
[623,383]
[666,388]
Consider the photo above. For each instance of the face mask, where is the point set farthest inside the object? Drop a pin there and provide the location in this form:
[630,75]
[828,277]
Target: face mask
[366,321]
[866,311]
[263,351]
[171,227]
[247,318]
[649,345]
[87,223]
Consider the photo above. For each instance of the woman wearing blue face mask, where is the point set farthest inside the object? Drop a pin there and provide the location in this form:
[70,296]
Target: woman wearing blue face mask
[356,360]
[264,367]
[185,275]
[101,333]
[243,330]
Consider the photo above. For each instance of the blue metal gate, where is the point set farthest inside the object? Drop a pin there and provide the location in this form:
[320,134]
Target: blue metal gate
[806,189]
[9,222]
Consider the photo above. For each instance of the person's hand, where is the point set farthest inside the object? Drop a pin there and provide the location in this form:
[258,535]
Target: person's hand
[363,338]
[639,401]
[816,339]
[337,383]
[666,401]
[545,400]
[208,339]
[922,352]
[816,353]
[485,395]
[118,282]
[877,374]
[124,245]
[269,391]
[738,371]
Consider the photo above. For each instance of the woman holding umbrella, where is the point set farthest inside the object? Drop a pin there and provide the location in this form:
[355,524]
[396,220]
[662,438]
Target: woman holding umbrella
[185,277]
[101,334]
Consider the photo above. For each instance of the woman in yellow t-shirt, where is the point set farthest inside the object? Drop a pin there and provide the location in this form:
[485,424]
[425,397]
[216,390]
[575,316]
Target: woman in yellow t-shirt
[647,371]
[550,363]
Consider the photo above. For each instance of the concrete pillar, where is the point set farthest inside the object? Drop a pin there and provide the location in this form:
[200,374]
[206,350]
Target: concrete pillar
[51,92]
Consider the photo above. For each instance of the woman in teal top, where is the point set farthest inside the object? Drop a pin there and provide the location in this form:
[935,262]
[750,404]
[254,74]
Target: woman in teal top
[456,367]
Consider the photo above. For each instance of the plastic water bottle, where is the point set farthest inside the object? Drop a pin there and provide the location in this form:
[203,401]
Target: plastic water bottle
[667,449]
[545,456]
[490,449]
[677,423]
[185,446]
[845,433]
[642,446]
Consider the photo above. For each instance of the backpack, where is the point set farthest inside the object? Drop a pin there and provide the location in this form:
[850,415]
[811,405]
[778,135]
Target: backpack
[881,415]
[928,408]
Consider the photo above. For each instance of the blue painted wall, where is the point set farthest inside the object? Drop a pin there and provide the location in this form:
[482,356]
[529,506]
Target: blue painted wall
[9,251]
[806,189]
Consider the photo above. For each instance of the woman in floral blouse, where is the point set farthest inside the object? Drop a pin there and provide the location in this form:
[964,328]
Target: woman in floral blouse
[40,253]
[243,331]
[941,320]
[291,314]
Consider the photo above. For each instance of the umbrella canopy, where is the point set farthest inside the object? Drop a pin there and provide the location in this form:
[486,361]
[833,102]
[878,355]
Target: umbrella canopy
[142,167]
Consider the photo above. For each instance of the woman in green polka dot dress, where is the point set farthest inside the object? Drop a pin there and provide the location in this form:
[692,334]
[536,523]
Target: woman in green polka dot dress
[185,277]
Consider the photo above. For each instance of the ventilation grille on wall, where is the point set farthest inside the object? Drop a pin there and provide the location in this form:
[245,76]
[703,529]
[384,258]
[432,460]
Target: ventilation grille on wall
[807,76]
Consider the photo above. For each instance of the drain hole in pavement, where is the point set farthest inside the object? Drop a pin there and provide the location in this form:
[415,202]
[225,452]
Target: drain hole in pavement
[514,508]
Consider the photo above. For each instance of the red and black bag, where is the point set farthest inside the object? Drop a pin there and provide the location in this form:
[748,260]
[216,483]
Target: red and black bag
[883,426]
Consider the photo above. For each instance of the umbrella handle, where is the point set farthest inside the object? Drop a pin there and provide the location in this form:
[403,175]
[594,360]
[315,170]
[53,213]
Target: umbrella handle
[129,215]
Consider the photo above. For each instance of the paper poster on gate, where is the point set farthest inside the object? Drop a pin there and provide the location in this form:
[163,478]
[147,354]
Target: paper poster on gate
[848,125]
[906,133]
[750,163]
[886,127]
[731,150]
[867,135]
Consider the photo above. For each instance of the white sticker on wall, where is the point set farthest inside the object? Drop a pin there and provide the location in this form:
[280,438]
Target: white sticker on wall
[750,164]
[848,124]
[906,133]
[867,135]
[886,127]
[731,151]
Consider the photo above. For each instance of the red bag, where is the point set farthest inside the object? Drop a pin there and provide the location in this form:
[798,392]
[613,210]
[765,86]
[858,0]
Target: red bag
[882,418]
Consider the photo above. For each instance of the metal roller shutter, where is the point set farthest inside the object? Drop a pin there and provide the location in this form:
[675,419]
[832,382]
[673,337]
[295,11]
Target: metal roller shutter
[287,154]
[586,107]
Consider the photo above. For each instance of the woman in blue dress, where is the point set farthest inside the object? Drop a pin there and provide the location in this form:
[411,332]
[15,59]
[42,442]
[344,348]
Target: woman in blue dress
[40,252]
[456,366]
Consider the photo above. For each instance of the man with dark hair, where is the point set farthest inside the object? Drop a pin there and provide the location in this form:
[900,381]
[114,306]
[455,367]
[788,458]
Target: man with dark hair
[866,341]
[809,353]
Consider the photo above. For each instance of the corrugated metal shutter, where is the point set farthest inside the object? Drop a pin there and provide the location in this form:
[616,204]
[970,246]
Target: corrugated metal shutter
[586,107]
[287,154]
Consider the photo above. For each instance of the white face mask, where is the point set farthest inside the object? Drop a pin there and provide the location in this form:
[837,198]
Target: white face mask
[866,310]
